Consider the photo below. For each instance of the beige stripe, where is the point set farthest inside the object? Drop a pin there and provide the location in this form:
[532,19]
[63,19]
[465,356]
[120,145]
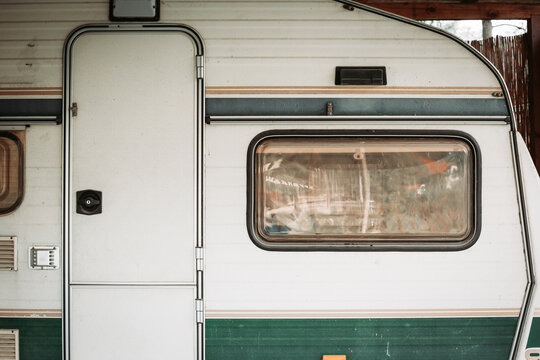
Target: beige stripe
[344,92]
[382,313]
[30,309]
[217,314]
[32,315]
[3,93]
[24,313]
[377,310]
[357,316]
[355,87]
[30,88]
[410,90]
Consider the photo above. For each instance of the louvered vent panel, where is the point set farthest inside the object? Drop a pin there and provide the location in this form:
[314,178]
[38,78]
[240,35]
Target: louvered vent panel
[9,344]
[8,253]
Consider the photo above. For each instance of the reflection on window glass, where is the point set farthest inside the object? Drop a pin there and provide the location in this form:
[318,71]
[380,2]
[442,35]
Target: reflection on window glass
[351,189]
[11,172]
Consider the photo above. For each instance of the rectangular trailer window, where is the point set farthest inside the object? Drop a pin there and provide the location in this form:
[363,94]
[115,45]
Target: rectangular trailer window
[11,171]
[354,189]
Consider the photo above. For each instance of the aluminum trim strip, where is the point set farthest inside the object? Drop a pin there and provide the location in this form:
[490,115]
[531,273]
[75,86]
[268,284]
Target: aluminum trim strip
[67,150]
[226,118]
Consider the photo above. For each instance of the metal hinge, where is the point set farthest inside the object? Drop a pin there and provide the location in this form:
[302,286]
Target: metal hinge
[200,66]
[199,259]
[199,311]
[73,109]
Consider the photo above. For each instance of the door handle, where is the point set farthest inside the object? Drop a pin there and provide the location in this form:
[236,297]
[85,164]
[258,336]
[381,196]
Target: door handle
[89,202]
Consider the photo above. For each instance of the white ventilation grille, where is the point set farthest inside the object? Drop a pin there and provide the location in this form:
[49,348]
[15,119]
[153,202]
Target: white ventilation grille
[8,253]
[9,344]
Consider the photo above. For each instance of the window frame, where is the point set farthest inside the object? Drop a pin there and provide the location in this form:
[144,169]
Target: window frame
[19,142]
[367,244]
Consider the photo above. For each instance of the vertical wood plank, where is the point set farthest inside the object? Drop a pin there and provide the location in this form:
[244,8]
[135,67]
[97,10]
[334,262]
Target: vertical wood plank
[510,55]
[456,10]
[534,87]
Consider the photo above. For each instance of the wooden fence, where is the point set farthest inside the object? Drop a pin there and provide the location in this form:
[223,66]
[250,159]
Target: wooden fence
[509,55]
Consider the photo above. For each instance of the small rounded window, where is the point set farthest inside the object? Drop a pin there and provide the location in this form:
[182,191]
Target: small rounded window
[11,170]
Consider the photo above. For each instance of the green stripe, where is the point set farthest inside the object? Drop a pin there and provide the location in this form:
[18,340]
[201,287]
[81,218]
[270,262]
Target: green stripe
[258,339]
[306,339]
[534,335]
[300,106]
[38,338]
[30,107]
[347,106]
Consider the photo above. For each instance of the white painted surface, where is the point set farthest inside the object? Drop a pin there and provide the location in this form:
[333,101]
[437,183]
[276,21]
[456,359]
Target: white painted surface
[134,140]
[239,275]
[160,323]
[531,184]
[36,222]
[259,43]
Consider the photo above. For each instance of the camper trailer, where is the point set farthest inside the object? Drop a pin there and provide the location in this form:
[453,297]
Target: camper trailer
[258,180]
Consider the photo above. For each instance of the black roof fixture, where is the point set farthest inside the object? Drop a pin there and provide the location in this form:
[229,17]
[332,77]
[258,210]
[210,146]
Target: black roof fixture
[360,75]
[134,10]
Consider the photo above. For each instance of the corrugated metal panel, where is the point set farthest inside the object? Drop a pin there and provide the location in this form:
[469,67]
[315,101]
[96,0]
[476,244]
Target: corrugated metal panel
[8,253]
[9,344]
[261,10]
[493,267]
[325,48]
[36,221]
[236,29]
[42,49]
[297,42]
[29,12]
[265,48]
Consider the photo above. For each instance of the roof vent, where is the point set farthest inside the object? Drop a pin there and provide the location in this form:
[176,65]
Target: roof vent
[9,344]
[360,75]
[134,10]
[8,253]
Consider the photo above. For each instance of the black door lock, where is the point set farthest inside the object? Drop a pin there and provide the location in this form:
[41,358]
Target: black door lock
[89,202]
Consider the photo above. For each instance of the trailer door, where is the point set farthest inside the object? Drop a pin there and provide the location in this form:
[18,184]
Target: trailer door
[131,145]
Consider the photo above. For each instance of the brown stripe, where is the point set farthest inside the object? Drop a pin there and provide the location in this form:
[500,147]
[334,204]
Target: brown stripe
[53,315]
[37,310]
[3,93]
[375,310]
[28,315]
[30,88]
[410,92]
[386,313]
[31,313]
[361,315]
[353,87]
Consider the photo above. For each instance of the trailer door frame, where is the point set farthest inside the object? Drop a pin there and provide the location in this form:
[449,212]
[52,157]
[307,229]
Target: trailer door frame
[68,203]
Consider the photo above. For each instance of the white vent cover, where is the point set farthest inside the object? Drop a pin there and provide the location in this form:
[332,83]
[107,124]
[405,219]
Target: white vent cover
[9,344]
[8,253]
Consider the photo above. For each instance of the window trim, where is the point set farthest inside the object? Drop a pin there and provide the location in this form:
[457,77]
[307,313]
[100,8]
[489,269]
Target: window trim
[20,194]
[367,245]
